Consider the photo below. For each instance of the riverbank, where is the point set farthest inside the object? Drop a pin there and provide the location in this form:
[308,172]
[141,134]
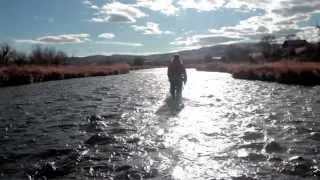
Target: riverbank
[14,75]
[133,68]
[286,72]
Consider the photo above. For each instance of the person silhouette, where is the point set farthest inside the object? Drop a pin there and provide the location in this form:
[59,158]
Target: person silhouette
[177,76]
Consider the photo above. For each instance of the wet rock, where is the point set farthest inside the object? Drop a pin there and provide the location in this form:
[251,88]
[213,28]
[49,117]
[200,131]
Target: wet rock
[112,116]
[100,139]
[257,146]
[134,140]
[210,96]
[55,169]
[136,174]
[255,157]
[119,130]
[243,177]
[273,147]
[94,119]
[299,166]
[129,175]
[315,136]
[316,172]
[252,135]
[123,168]
[275,159]
[47,169]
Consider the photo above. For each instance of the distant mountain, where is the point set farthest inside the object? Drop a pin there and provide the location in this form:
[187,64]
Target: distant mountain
[195,54]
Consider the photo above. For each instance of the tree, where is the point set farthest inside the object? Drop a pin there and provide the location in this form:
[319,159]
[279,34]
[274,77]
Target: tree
[318,27]
[317,53]
[60,58]
[268,45]
[20,59]
[236,54]
[6,54]
[138,61]
[291,36]
[47,55]
[207,58]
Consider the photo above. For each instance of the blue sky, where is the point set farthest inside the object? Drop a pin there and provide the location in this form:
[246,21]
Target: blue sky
[87,27]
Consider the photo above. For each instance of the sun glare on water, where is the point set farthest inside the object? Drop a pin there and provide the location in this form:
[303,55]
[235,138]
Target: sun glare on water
[198,132]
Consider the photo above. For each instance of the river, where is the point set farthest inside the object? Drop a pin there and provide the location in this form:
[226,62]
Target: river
[127,127]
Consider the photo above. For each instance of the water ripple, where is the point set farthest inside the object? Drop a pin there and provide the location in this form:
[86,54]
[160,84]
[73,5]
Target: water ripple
[126,127]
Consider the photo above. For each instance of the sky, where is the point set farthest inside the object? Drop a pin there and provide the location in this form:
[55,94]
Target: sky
[105,27]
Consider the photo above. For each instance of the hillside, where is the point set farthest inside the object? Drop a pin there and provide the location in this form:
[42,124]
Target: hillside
[196,54]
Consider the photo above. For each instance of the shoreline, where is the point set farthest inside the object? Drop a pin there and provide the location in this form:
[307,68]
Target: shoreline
[284,72]
[29,74]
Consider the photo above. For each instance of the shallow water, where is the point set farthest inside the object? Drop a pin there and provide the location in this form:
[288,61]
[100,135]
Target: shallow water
[126,127]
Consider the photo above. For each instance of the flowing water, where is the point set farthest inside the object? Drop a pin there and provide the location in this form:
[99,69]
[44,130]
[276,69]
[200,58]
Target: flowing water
[126,127]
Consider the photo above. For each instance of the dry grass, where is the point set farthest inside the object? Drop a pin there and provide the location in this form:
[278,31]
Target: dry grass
[287,72]
[13,75]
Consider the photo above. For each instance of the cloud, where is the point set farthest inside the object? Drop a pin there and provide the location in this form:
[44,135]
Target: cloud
[184,48]
[289,8]
[309,33]
[90,4]
[106,35]
[202,40]
[210,5]
[150,28]
[99,19]
[119,53]
[59,39]
[164,6]
[254,28]
[119,43]
[272,22]
[118,12]
[200,5]
[282,8]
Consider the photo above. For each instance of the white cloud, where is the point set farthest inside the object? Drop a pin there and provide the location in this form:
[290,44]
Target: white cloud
[106,35]
[59,39]
[181,41]
[118,12]
[27,41]
[254,28]
[150,28]
[202,40]
[209,5]
[200,5]
[99,19]
[90,4]
[164,6]
[280,18]
[288,8]
[309,33]
[119,43]
[184,48]
[283,8]
[119,53]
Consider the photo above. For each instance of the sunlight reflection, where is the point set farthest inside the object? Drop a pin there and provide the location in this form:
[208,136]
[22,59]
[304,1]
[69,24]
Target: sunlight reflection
[178,173]
[200,133]
[204,129]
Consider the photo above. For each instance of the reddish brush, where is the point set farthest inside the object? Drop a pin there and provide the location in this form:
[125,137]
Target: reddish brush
[288,72]
[13,75]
